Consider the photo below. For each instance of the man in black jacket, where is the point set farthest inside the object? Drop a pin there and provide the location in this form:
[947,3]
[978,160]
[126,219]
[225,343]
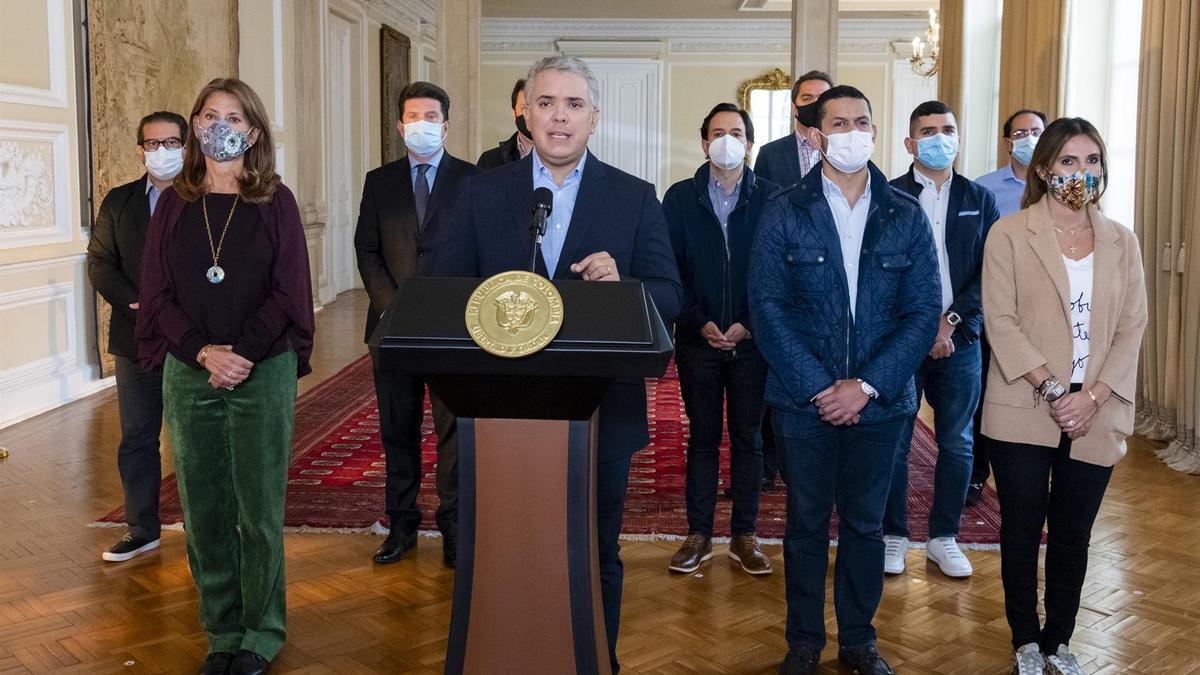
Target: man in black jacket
[114,264]
[961,213]
[403,222]
[712,218]
[519,144]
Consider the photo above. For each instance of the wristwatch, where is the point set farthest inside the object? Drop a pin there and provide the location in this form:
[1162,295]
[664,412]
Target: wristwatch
[867,389]
[952,318]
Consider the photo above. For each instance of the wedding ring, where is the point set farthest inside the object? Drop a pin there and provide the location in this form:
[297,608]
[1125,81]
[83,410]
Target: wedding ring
[1070,423]
[229,373]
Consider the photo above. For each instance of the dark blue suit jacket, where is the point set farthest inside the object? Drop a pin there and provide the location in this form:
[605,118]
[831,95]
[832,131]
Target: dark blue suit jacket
[614,212]
[779,161]
[969,217]
[800,301]
[714,284]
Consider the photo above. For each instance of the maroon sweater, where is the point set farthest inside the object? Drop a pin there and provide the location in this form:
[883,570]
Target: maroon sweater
[180,311]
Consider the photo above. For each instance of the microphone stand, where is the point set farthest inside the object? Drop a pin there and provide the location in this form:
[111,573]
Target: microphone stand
[537,230]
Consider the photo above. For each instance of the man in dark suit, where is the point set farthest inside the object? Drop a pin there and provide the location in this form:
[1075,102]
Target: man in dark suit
[845,296]
[519,144]
[402,224]
[114,263]
[784,161]
[605,226]
[961,213]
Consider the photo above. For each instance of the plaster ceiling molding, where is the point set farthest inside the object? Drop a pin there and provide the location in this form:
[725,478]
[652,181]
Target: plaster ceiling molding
[719,46]
[861,35]
[680,35]
[411,13]
[640,49]
[844,5]
[26,184]
[509,46]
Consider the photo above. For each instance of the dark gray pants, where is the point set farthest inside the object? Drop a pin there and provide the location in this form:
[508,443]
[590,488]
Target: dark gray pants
[139,401]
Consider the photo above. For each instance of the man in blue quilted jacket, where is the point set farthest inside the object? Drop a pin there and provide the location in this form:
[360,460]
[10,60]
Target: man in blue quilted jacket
[846,295]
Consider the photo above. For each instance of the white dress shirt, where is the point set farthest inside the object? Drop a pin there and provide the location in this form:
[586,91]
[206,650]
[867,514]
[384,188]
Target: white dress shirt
[935,202]
[851,226]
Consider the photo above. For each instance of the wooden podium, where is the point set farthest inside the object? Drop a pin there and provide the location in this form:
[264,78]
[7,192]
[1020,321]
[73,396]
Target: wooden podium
[527,583]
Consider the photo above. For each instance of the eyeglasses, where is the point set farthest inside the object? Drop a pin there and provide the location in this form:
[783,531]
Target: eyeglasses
[152,145]
[1023,133]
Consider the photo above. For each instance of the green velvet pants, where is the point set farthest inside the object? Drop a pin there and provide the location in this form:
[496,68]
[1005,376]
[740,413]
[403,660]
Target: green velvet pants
[231,458]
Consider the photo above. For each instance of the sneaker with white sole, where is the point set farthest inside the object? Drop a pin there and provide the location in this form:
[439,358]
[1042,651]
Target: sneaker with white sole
[1063,662]
[945,553]
[1028,660]
[128,547]
[894,551]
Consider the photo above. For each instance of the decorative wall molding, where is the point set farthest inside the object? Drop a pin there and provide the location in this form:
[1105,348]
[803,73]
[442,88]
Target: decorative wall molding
[35,202]
[855,35]
[54,96]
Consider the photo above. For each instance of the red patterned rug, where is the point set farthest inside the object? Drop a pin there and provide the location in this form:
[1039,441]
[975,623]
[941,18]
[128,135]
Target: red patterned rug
[336,474]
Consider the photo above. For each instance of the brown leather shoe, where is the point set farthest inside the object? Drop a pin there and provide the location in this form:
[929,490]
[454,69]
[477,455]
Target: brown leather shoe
[743,548]
[695,550]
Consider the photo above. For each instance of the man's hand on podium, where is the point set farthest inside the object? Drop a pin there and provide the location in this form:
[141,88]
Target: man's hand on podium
[598,266]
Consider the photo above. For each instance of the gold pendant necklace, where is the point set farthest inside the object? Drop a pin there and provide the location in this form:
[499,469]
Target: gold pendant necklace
[216,274]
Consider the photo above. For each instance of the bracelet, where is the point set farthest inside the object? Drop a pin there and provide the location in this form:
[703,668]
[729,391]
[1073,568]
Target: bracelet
[1093,397]
[203,356]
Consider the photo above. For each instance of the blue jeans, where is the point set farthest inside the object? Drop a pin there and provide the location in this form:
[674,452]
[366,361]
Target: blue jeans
[951,386]
[823,465]
[713,382]
[140,404]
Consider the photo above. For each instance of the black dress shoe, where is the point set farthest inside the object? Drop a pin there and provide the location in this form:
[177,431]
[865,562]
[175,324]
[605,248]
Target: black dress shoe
[768,484]
[217,663]
[801,660]
[865,660]
[249,663]
[394,547]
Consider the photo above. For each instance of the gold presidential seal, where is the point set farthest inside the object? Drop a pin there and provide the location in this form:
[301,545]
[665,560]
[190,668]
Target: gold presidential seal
[514,314]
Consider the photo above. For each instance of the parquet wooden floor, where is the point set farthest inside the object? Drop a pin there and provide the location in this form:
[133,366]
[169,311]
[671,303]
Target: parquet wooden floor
[63,610]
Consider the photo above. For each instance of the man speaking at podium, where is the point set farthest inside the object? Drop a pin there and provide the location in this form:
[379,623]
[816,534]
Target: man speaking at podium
[605,225]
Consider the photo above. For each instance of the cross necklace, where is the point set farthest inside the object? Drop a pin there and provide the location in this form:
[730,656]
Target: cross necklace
[1076,229]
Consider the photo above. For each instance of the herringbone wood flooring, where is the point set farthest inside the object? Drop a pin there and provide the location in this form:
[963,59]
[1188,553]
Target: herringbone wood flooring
[63,610]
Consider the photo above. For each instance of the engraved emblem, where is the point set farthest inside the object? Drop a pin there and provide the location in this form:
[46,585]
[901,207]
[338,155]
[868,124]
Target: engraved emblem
[514,314]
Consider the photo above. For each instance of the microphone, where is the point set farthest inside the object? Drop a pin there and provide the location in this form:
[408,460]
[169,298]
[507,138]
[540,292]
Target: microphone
[543,205]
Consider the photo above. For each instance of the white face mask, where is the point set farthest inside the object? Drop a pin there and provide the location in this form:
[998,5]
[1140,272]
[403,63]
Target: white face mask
[163,163]
[727,152]
[849,152]
[423,137]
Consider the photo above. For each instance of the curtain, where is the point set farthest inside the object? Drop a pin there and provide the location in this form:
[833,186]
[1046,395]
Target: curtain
[1031,58]
[1167,222]
[950,88]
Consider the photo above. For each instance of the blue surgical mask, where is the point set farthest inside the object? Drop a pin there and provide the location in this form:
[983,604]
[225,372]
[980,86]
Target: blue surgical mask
[1023,149]
[938,151]
[423,137]
[221,142]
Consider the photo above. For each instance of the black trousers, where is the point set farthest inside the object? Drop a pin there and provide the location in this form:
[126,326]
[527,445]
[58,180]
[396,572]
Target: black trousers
[401,401]
[979,450]
[1039,485]
[139,402]
[713,382]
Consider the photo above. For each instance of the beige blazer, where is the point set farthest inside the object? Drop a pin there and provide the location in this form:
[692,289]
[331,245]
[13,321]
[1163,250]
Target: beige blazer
[1026,311]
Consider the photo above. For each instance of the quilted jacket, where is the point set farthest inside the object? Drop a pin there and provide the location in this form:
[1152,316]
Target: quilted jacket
[800,302]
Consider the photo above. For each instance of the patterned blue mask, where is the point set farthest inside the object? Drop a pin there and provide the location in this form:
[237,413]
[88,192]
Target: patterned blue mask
[221,142]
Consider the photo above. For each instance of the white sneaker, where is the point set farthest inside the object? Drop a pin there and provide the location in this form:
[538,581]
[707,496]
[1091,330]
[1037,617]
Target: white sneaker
[944,552]
[1028,660]
[1063,662]
[894,551]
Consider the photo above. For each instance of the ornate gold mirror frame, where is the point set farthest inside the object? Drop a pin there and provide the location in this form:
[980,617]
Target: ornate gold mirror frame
[774,80]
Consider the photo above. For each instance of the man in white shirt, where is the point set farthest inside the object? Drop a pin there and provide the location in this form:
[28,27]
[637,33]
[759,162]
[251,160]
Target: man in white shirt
[960,212]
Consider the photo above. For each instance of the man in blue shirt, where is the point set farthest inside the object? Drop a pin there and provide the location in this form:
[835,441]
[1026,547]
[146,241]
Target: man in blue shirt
[1021,132]
[114,264]
[712,217]
[845,295]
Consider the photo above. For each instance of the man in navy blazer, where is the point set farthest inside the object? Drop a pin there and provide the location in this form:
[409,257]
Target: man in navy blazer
[845,296]
[606,225]
[961,212]
[784,161]
[402,223]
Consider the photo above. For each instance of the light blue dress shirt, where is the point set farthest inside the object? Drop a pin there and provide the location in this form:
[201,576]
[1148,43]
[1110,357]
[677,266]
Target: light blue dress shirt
[851,223]
[430,174]
[153,193]
[564,205]
[723,204]
[1007,188]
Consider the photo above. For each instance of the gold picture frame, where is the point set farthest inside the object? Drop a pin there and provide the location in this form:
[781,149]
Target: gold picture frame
[774,80]
[394,52]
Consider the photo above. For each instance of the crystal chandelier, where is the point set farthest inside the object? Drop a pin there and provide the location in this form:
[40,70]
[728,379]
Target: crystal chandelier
[926,53]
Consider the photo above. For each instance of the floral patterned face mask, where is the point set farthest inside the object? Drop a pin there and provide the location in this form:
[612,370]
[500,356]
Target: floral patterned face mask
[222,142]
[1074,190]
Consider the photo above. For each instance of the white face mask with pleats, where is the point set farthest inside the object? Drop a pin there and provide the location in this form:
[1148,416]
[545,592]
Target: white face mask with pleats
[850,151]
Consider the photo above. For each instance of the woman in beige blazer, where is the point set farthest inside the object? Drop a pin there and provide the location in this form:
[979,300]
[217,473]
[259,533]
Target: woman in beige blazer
[1064,303]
